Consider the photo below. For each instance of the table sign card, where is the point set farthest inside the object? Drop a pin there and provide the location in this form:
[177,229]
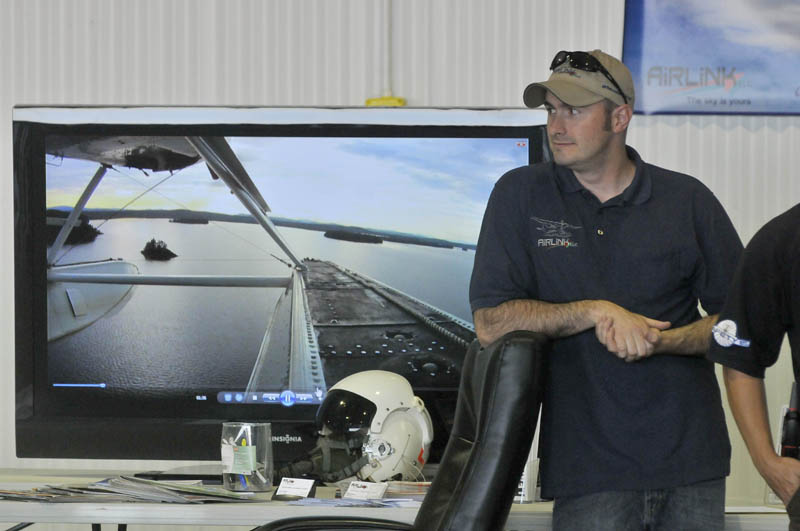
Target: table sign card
[294,488]
[363,490]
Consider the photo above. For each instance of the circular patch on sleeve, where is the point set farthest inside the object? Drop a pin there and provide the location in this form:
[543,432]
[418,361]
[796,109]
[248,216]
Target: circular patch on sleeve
[725,333]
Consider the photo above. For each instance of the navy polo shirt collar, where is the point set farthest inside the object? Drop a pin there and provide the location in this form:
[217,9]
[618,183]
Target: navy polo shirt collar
[636,193]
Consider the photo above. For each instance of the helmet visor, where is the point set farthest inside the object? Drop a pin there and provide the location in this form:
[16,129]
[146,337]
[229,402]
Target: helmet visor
[344,411]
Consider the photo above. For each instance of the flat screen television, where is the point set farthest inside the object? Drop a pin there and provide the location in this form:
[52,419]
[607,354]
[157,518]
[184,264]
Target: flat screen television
[178,267]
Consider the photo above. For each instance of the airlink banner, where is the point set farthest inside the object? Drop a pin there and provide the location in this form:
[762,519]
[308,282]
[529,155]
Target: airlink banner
[714,56]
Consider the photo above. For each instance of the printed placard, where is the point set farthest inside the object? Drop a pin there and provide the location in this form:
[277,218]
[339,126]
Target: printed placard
[364,490]
[295,487]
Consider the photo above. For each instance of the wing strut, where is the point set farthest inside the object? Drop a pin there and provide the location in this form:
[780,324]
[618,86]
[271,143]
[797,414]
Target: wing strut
[223,163]
[74,214]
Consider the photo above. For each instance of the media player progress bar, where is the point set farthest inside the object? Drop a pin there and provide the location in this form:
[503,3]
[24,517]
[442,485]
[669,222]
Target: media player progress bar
[100,385]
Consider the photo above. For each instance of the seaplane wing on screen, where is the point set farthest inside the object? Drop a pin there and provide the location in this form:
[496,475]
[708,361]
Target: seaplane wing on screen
[153,153]
[328,322]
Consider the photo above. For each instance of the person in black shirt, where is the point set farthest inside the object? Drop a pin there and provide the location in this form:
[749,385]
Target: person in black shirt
[762,307]
[609,256]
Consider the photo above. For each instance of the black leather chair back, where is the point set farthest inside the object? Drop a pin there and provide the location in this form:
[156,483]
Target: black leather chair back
[498,405]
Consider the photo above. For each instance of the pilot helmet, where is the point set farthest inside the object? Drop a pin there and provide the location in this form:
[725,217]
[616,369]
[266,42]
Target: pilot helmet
[396,428]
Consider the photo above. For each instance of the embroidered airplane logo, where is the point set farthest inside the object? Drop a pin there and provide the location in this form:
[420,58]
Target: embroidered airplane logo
[555,229]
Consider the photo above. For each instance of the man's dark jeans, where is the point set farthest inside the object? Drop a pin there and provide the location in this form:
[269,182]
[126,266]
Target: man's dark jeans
[699,507]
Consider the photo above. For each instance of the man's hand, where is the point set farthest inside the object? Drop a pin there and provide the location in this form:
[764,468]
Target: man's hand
[783,476]
[628,335]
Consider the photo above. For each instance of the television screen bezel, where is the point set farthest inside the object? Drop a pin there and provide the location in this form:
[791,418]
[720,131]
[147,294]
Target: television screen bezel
[179,437]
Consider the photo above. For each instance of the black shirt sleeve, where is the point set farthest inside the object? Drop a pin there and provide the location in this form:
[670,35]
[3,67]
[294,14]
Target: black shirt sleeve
[721,250]
[503,270]
[755,309]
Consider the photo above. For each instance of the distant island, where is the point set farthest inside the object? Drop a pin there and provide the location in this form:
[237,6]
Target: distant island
[193,216]
[82,232]
[157,250]
[353,236]
[192,221]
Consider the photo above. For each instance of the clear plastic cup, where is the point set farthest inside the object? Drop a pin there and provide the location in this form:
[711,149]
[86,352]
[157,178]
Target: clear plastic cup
[246,449]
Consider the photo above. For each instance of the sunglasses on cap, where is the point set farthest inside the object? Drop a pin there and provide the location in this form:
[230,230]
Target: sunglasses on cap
[586,62]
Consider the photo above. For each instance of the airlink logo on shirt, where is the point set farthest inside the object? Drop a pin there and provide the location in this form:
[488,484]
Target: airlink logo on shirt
[557,233]
[555,242]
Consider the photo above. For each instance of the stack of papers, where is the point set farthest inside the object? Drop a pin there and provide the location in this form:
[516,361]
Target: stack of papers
[130,489]
[350,502]
[414,490]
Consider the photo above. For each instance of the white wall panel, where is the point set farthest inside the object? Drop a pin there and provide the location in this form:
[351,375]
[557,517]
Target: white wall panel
[478,53]
[750,162]
[332,52]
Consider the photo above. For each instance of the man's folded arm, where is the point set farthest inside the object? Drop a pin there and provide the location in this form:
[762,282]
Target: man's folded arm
[565,319]
[553,320]
[690,340]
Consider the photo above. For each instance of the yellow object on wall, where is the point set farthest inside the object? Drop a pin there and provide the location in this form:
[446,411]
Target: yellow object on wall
[386,101]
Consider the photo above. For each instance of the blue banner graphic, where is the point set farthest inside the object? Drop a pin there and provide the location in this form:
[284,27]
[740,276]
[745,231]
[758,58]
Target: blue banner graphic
[714,56]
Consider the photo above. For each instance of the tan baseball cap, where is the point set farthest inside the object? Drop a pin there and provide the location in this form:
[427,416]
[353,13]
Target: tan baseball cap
[578,87]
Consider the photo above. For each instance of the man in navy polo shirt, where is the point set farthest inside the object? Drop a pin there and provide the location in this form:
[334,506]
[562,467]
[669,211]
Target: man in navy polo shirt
[762,307]
[609,256]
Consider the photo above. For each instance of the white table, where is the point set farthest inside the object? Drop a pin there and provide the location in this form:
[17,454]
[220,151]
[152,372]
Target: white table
[523,517]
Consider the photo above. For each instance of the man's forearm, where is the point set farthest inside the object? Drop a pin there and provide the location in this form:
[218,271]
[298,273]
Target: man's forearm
[553,320]
[690,340]
[748,403]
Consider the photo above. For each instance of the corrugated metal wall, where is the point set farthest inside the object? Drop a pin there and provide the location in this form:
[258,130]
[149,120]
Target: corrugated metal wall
[333,52]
